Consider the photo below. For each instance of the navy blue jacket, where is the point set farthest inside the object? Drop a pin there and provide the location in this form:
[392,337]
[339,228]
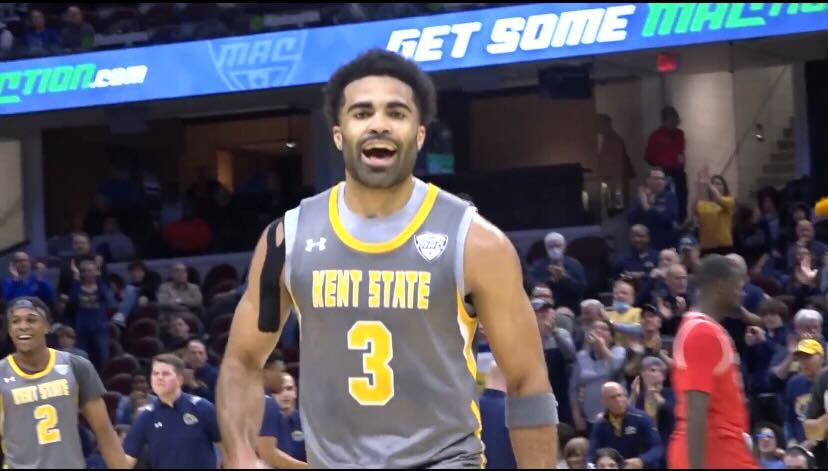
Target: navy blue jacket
[639,438]
[660,219]
[637,263]
[499,454]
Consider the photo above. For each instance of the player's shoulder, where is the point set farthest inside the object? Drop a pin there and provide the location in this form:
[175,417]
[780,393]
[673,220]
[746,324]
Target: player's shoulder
[697,324]
[73,360]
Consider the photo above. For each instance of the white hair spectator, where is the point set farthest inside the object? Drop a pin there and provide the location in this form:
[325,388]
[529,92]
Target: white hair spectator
[805,315]
[649,362]
[554,237]
[592,303]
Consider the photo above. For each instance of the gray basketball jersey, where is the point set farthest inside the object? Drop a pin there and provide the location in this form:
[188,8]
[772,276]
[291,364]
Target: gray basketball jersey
[388,368]
[40,411]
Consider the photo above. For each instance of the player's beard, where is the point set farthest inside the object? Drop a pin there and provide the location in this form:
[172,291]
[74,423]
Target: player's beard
[401,169]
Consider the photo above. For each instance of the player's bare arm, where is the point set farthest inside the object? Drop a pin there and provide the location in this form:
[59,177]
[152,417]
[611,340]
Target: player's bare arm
[494,278]
[266,448]
[697,403]
[239,399]
[98,418]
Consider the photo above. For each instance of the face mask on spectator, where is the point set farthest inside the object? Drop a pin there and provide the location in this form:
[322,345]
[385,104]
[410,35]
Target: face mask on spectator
[620,306]
[555,254]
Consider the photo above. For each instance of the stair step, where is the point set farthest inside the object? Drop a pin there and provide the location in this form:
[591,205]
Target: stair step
[773,168]
[788,133]
[783,157]
[785,144]
[776,181]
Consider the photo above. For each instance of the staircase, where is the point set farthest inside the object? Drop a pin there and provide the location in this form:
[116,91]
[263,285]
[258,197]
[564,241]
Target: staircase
[781,167]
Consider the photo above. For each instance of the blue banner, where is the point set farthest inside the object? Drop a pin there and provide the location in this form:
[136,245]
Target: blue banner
[439,42]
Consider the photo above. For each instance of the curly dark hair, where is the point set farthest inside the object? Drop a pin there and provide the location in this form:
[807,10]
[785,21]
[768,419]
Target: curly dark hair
[379,62]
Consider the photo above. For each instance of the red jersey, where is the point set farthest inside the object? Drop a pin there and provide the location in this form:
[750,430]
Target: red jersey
[665,148]
[706,360]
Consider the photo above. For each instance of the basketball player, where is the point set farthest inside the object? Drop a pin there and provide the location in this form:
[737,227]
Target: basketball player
[379,269]
[42,392]
[711,418]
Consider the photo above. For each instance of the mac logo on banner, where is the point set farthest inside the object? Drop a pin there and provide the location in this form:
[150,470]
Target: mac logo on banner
[249,63]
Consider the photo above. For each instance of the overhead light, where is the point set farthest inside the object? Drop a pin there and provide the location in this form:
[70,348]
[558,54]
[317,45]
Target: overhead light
[759,132]
[290,144]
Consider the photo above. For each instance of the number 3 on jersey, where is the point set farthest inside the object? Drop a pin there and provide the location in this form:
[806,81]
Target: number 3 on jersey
[46,416]
[376,338]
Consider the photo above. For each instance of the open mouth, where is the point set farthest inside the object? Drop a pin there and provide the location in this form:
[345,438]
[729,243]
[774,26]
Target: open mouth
[379,154]
[24,337]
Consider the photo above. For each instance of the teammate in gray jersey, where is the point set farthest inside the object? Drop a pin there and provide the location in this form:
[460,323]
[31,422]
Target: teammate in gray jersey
[42,392]
[379,270]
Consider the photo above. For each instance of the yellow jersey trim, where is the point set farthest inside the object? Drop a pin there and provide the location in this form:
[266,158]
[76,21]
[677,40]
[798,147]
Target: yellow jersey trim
[469,325]
[379,247]
[39,374]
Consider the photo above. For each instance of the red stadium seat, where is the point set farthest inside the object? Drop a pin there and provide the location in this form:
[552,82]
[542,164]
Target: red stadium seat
[121,383]
[141,328]
[146,348]
[219,344]
[112,398]
[115,348]
[149,311]
[196,326]
[121,364]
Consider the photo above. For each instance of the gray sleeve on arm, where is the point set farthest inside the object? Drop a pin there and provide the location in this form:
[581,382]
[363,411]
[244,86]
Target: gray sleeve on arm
[459,253]
[90,386]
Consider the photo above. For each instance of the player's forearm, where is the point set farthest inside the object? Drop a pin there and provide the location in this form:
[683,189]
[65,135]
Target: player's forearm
[272,456]
[535,447]
[240,407]
[696,428]
[111,450]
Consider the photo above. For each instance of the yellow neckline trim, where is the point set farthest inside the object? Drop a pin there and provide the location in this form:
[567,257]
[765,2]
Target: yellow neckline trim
[39,374]
[379,247]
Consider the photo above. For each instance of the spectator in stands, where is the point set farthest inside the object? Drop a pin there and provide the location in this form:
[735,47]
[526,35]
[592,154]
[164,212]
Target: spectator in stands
[774,314]
[608,458]
[811,356]
[736,323]
[803,282]
[179,294]
[675,301]
[797,457]
[807,325]
[203,372]
[648,394]
[770,224]
[179,429]
[178,332]
[6,41]
[591,311]
[656,208]
[575,453]
[665,149]
[67,340]
[615,167]
[81,249]
[689,253]
[654,282]
[292,441]
[816,423]
[495,435]
[41,40]
[24,282]
[139,396]
[626,429]
[622,310]
[117,245]
[644,340]
[563,274]
[600,361]
[641,260]
[146,281]
[558,350]
[272,374]
[805,239]
[714,214]
[77,34]
[766,449]
[90,300]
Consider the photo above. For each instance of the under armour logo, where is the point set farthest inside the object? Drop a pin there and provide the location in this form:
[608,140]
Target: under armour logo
[310,244]
[158,425]
[8,380]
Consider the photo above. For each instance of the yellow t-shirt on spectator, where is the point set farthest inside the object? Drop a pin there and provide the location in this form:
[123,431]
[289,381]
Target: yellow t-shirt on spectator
[715,223]
[632,316]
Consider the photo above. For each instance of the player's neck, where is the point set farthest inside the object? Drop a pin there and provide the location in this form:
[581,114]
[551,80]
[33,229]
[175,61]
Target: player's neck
[33,361]
[169,399]
[376,202]
[711,311]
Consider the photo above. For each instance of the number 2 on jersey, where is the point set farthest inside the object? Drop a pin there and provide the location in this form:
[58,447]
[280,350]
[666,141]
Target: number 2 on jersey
[376,338]
[47,419]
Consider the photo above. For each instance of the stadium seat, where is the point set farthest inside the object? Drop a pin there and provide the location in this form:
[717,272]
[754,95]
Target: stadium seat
[221,325]
[121,382]
[143,328]
[219,273]
[592,252]
[218,344]
[149,311]
[112,398]
[121,364]
[196,326]
[114,331]
[146,348]
[115,348]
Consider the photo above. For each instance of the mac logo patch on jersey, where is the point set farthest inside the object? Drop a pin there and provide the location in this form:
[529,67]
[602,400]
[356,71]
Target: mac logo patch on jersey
[62,369]
[431,245]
